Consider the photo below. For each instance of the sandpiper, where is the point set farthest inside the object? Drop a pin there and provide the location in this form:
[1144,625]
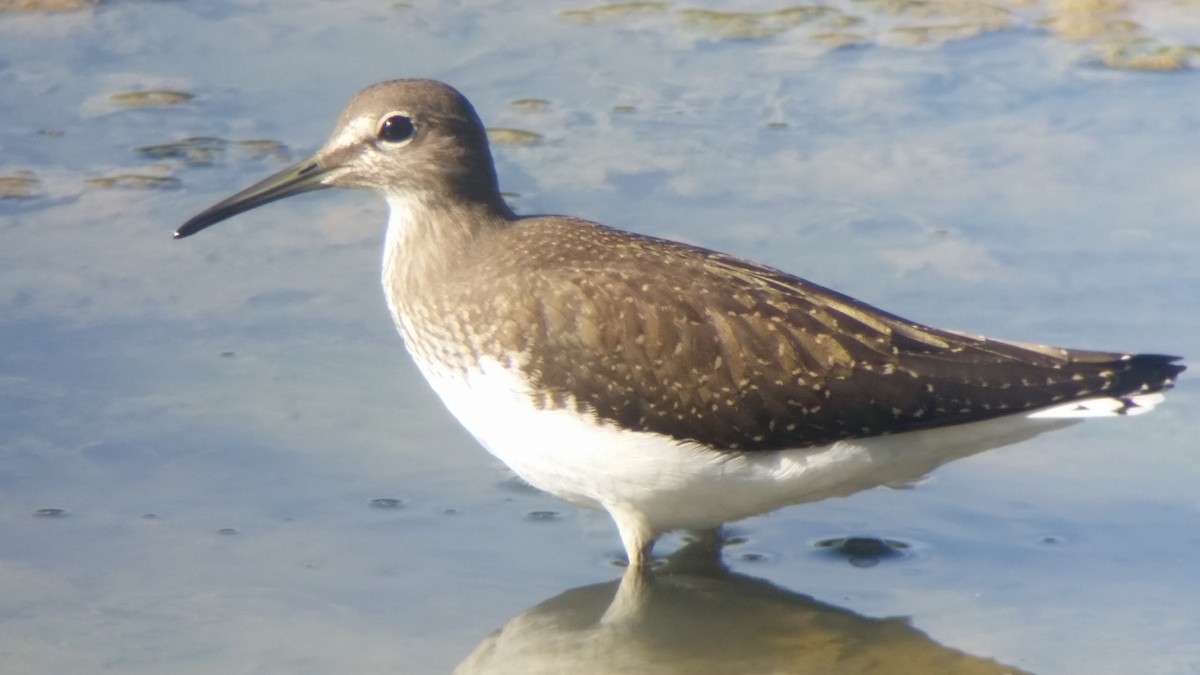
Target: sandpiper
[673,386]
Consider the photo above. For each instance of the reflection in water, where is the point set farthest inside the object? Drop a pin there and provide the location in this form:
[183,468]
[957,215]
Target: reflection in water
[694,616]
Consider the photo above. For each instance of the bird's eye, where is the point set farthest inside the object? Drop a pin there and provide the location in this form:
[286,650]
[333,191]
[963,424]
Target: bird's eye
[396,128]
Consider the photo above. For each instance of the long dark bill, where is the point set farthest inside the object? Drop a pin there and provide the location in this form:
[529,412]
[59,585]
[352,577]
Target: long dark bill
[300,177]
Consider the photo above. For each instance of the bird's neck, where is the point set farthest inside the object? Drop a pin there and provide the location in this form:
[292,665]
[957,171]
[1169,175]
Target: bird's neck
[430,241]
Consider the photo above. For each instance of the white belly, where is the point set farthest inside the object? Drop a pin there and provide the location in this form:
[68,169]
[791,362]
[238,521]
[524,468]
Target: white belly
[674,485]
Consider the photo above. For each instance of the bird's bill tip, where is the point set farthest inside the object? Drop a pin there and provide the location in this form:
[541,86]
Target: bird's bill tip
[300,177]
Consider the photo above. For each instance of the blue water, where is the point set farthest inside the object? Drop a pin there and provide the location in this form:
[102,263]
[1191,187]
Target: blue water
[214,417]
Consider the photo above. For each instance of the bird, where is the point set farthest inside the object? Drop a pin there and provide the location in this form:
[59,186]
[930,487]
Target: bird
[673,386]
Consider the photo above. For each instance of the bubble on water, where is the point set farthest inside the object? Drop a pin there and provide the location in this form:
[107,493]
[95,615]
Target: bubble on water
[863,551]
[542,516]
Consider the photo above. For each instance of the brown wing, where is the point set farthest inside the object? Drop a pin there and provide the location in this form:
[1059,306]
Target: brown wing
[668,338]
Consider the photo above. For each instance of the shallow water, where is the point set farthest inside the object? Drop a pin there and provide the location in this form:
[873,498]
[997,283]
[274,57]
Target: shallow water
[193,434]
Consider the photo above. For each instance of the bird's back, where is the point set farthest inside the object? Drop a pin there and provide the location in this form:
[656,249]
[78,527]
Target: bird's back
[659,336]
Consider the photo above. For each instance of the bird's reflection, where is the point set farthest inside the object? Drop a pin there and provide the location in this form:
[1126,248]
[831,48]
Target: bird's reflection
[694,616]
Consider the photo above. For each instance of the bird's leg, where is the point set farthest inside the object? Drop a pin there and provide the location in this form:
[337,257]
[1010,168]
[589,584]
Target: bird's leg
[637,536]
